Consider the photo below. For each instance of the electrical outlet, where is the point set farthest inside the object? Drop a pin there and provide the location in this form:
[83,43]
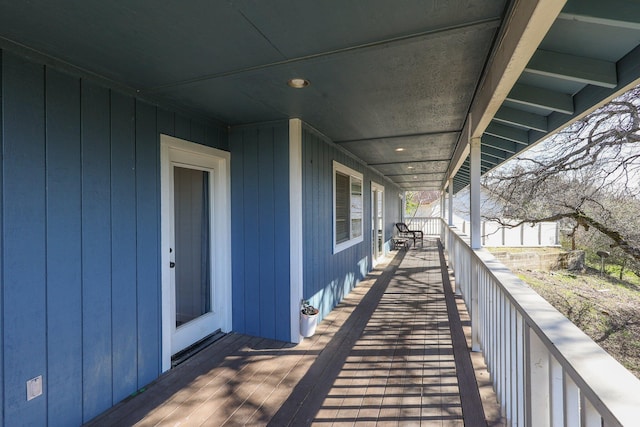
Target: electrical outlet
[34,387]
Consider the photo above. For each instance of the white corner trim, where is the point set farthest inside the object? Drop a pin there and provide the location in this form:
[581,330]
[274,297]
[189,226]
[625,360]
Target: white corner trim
[295,225]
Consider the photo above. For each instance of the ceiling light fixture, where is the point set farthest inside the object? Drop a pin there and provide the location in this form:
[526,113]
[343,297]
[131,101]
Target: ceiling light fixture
[298,83]
[409,167]
[400,149]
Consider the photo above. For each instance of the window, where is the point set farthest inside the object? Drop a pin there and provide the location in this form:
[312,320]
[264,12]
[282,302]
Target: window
[347,207]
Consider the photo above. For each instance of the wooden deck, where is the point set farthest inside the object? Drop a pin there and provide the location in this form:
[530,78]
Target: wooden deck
[392,353]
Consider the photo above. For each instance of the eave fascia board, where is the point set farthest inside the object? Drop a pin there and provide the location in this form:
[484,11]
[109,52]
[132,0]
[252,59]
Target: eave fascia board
[525,27]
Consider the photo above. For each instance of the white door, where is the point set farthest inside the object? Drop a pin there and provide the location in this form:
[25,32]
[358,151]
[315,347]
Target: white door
[377,222]
[196,271]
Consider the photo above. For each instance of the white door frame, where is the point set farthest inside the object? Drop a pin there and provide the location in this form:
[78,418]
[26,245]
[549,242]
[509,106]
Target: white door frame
[174,151]
[376,188]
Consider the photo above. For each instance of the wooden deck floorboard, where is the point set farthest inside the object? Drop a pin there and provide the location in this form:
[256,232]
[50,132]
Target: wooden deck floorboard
[392,353]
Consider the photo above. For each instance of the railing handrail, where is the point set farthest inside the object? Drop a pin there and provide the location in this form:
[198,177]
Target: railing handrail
[497,235]
[430,225]
[585,362]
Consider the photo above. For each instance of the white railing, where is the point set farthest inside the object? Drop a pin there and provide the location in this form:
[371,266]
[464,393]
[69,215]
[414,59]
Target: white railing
[494,234]
[545,371]
[430,226]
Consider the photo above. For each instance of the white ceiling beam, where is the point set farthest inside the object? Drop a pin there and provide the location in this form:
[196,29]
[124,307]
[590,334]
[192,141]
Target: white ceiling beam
[573,68]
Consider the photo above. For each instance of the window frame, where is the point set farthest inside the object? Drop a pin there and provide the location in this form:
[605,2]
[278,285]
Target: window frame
[354,176]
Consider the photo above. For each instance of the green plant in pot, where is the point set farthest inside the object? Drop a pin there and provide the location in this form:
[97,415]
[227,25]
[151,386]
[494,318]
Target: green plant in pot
[308,309]
[308,319]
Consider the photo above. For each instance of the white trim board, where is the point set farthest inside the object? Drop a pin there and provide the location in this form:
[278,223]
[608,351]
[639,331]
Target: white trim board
[295,226]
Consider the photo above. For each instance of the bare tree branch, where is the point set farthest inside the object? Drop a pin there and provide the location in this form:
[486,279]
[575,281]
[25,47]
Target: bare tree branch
[587,177]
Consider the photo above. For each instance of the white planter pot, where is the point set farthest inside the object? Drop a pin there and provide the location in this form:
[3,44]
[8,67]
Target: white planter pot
[308,324]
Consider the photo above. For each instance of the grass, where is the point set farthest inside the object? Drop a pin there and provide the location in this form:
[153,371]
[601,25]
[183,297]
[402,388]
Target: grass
[604,307]
[613,271]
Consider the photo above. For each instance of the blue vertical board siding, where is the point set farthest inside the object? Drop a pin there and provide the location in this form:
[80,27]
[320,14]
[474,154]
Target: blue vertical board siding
[24,232]
[266,236]
[148,243]
[166,122]
[96,250]
[329,277]
[216,137]
[2,278]
[80,277]
[238,239]
[260,225]
[182,127]
[123,247]
[64,267]
[282,250]
[250,217]
[197,132]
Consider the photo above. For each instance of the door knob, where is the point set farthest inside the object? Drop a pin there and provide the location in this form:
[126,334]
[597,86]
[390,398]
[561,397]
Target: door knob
[172,264]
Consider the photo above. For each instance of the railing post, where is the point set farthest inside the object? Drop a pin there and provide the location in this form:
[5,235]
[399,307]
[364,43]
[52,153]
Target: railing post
[537,390]
[557,393]
[590,415]
[450,207]
[474,269]
[571,402]
[474,193]
[518,420]
[528,348]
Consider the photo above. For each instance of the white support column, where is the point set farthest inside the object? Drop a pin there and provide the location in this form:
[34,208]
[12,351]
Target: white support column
[295,224]
[474,193]
[442,204]
[474,312]
[450,221]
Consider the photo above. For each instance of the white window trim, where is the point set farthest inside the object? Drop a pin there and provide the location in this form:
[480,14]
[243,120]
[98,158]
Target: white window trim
[338,247]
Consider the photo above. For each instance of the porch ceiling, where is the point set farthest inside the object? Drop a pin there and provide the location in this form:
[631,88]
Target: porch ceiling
[383,77]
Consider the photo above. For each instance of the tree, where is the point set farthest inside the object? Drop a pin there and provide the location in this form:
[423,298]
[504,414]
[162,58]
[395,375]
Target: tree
[587,176]
[415,199]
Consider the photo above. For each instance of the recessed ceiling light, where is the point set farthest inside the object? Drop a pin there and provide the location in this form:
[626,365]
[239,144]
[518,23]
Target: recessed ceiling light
[415,176]
[409,167]
[298,83]
[400,149]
